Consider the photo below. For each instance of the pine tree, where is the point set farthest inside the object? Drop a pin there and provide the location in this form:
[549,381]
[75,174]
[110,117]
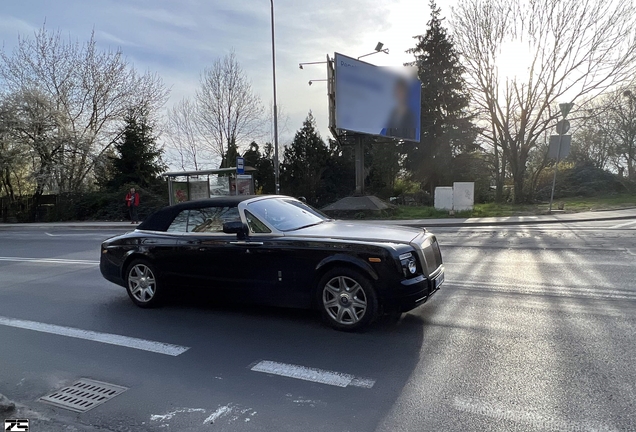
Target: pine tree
[304,163]
[229,158]
[264,178]
[138,161]
[446,126]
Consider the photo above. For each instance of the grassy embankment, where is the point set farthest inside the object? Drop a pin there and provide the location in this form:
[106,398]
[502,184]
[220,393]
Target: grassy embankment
[570,205]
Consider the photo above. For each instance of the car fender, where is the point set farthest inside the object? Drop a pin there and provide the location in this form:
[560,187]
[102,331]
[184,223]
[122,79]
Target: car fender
[348,260]
[127,258]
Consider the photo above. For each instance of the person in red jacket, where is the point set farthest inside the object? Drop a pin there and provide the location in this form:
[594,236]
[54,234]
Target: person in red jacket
[132,201]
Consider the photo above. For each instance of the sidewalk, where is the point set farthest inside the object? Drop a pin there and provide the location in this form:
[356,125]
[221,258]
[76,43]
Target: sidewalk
[73,225]
[592,216]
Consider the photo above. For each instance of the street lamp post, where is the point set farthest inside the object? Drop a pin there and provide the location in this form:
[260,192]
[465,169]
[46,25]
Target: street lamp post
[276,163]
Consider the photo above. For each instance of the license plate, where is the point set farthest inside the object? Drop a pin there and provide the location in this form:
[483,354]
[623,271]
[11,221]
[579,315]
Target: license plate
[439,280]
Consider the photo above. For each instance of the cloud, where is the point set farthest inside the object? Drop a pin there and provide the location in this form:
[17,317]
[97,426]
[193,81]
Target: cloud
[105,36]
[11,25]
[178,39]
[171,18]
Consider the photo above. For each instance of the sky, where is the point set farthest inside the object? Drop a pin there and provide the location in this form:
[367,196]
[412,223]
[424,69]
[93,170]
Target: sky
[179,38]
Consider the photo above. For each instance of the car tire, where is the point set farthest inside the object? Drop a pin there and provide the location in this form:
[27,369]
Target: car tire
[347,299]
[142,284]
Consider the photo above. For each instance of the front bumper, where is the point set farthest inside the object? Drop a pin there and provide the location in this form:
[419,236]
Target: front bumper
[415,292]
[110,270]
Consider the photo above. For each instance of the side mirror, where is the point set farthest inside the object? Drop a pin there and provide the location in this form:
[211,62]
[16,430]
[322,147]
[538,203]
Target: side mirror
[236,227]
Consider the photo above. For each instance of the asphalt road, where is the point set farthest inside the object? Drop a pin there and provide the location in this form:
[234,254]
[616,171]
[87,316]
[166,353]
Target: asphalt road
[534,329]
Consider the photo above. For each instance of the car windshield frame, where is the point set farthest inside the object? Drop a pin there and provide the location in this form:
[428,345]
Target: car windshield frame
[285,214]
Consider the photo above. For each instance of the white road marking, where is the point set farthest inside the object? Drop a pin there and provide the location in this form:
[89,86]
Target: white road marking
[72,235]
[49,260]
[312,374]
[529,417]
[169,415]
[220,412]
[624,224]
[596,292]
[107,338]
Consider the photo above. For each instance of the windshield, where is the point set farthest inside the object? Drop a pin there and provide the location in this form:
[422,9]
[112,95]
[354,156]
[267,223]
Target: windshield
[286,214]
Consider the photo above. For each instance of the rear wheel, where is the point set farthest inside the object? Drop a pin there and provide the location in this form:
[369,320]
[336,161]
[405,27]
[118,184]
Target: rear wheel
[142,284]
[347,299]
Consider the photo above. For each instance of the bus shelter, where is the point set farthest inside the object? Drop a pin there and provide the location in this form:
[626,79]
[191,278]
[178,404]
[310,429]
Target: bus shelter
[195,185]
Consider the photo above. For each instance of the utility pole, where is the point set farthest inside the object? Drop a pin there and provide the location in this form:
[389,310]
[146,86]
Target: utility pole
[276,162]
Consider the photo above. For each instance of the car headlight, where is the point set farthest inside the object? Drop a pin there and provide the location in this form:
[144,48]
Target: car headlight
[409,264]
[412,266]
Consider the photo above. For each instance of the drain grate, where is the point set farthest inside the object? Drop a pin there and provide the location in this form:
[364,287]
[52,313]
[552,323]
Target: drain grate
[83,395]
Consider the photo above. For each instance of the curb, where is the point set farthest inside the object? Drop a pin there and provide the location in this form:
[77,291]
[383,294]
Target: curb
[405,222]
[67,226]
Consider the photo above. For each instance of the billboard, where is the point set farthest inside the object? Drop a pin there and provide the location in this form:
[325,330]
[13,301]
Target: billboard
[242,185]
[180,192]
[376,100]
[198,190]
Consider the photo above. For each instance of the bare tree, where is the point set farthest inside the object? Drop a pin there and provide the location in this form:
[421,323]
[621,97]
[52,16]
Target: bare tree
[623,119]
[230,113]
[32,125]
[575,48]
[185,140]
[594,140]
[91,90]
[13,155]
[608,134]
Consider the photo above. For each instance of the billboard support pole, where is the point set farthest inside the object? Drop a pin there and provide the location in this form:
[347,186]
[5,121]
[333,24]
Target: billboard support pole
[359,149]
[556,168]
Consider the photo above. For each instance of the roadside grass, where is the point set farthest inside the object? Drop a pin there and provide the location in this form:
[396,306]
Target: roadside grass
[570,205]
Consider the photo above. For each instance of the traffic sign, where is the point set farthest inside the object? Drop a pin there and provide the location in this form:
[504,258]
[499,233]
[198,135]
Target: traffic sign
[562,127]
[565,108]
[559,146]
[240,165]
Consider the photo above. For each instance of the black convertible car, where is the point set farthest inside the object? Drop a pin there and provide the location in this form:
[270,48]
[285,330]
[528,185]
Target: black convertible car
[279,251]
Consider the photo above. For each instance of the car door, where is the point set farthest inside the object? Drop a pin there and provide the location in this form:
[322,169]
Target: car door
[215,259]
[176,263]
[271,267]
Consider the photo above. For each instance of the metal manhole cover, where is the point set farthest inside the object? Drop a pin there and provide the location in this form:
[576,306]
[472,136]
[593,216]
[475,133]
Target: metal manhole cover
[83,395]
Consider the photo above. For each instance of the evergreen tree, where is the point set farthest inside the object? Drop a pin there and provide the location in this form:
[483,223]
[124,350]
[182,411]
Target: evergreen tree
[138,161]
[264,178]
[304,164]
[229,158]
[339,177]
[446,125]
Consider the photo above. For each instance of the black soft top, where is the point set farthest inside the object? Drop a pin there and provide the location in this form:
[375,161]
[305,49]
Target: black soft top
[161,219]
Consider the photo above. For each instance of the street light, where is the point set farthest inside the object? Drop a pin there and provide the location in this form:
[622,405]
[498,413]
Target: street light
[276,163]
[300,65]
[378,49]
[313,81]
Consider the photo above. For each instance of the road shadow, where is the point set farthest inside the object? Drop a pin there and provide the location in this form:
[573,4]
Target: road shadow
[223,333]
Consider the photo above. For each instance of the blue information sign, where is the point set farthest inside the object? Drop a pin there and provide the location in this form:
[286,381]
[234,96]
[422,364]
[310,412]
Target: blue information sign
[240,165]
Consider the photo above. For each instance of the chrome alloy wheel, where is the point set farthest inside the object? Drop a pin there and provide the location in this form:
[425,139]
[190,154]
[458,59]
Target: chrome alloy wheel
[344,300]
[142,283]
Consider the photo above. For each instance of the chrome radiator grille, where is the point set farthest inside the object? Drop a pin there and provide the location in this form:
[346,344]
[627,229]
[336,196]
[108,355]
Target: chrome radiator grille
[431,256]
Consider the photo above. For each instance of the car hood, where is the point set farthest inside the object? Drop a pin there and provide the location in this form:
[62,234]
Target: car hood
[345,230]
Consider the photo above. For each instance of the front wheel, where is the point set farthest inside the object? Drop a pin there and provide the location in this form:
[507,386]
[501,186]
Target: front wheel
[142,284]
[347,299]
